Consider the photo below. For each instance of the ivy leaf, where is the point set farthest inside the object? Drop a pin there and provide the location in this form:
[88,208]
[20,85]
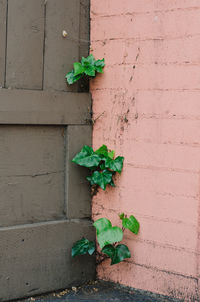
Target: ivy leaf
[112,184]
[115,164]
[99,64]
[103,150]
[102,224]
[72,78]
[88,65]
[89,178]
[117,254]
[101,178]
[121,216]
[88,61]
[109,236]
[111,154]
[102,166]
[91,247]
[109,250]
[106,234]
[78,68]
[90,71]
[87,158]
[121,252]
[82,247]
[131,223]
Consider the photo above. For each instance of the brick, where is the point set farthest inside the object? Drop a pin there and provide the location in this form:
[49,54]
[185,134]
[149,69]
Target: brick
[115,7]
[157,25]
[169,103]
[163,156]
[149,77]
[163,257]
[110,78]
[149,52]
[163,104]
[166,77]
[159,181]
[158,130]
[164,232]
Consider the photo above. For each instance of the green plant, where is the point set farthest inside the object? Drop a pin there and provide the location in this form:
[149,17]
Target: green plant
[108,238]
[88,67]
[102,164]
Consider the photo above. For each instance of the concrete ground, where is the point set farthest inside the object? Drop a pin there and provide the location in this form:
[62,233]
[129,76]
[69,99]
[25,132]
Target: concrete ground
[100,291]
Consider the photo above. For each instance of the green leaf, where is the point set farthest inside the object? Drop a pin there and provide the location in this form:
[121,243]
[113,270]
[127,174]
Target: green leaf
[106,234]
[87,158]
[115,164]
[99,64]
[78,68]
[71,78]
[121,216]
[82,247]
[101,178]
[89,178]
[109,236]
[111,154]
[112,184]
[103,150]
[121,252]
[102,224]
[88,61]
[90,71]
[91,247]
[88,65]
[102,166]
[131,223]
[109,250]
[117,254]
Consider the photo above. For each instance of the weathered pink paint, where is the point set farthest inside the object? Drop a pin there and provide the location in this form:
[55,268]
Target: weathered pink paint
[148,108]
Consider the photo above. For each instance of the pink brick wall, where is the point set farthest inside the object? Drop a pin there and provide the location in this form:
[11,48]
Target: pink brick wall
[150,93]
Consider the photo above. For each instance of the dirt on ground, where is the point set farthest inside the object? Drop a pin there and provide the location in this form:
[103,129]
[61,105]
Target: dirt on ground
[100,291]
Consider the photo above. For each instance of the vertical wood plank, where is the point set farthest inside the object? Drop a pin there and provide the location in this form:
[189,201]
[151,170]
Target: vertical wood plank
[60,52]
[3,13]
[78,198]
[84,27]
[84,38]
[25,44]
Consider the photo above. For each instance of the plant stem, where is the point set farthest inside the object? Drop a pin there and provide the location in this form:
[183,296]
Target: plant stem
[100,257]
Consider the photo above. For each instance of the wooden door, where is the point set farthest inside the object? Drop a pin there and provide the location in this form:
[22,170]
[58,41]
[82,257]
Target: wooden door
[44,198]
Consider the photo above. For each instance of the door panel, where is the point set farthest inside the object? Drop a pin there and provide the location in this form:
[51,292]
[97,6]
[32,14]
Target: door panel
[3,15]
[60,52]
[25,39]
[32,176]
[45,203]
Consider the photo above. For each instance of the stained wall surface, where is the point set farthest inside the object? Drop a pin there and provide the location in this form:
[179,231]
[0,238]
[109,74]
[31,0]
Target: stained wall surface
[147,106]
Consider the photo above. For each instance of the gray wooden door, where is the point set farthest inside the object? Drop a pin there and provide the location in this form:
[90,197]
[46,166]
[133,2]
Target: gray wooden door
[44,198]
